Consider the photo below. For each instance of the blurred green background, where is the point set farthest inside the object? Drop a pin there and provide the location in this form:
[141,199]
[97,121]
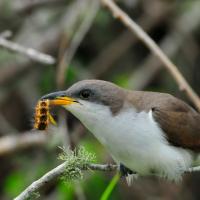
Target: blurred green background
[86,42]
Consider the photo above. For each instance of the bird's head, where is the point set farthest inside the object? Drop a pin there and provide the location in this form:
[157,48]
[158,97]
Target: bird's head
[89,100]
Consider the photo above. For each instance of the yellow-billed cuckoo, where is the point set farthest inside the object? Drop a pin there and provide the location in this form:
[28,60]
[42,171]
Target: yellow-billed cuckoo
[145,131]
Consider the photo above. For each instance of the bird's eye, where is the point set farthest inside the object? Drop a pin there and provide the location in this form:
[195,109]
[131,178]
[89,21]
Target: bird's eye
[85,94]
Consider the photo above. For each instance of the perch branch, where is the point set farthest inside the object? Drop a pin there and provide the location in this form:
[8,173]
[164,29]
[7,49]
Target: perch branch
[143,36]
[59,170]
[55,173]
[31,53]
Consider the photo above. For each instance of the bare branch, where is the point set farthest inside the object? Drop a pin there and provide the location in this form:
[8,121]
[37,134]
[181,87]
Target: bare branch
[31,53]
[143,36]
[50,36]
[12,143]
[106,167]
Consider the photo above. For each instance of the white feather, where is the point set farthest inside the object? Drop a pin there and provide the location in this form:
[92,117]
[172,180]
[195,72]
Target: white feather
[134,139]
[130,178]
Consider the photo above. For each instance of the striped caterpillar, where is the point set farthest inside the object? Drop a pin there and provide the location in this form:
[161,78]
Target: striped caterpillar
[42,115]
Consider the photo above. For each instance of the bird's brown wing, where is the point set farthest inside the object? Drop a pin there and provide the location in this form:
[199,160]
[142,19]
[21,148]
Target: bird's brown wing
[182,127]
[179,121]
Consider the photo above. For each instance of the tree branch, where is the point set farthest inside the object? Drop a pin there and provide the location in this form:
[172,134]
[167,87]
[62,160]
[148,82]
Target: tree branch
[13,143]
[55,173]
[31,53]
[143,36]
[170,44]
[59,170]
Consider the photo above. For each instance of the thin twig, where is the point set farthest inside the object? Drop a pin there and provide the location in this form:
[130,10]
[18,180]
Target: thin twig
[31,53]
[59,170]
[143,36]
[68,20]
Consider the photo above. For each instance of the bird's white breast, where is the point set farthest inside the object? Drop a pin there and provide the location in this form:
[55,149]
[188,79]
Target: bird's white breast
[134,139]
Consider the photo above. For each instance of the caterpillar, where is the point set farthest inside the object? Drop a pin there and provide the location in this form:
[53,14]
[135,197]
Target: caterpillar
[42,116]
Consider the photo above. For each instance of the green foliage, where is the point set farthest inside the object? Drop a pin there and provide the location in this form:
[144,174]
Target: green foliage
[97,182]
[103,19]
[5,55]
[65,191]
[70,74]
[76,161]
[14,183]
[121,80]
[6,5]
[46,83]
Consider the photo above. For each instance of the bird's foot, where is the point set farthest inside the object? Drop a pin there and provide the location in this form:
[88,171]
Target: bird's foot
[125,171]
[128,174]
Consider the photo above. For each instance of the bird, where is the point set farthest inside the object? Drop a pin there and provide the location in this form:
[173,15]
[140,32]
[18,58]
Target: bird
[144,132]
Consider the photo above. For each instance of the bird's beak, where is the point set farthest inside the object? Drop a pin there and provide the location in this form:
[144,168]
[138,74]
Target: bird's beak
[59,99]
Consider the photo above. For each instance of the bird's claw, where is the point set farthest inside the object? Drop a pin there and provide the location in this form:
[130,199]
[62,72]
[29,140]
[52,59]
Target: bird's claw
[125,171]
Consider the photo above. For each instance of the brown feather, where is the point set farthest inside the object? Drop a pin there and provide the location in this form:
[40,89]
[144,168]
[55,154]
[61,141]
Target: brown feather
[178,120]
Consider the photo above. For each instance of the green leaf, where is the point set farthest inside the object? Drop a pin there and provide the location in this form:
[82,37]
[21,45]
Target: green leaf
[110,187]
